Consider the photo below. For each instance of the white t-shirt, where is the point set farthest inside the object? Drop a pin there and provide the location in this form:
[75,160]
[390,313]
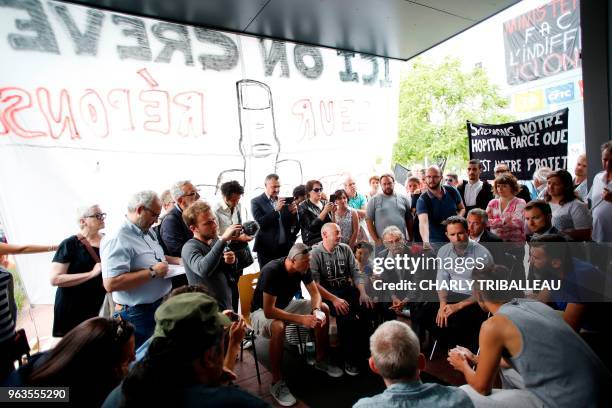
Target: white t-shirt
[572,215]
[602,210]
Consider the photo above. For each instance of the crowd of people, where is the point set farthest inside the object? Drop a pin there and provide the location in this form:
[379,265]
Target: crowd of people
[548,343]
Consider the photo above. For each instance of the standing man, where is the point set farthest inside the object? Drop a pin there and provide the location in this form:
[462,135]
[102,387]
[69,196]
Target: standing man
[356,200]
[174,232]
[204,256]
[580,179]
[134,266]
[276,220]
[475,193]
[229,212]
[435,205]
[388,208]
[336,273]
[601,198]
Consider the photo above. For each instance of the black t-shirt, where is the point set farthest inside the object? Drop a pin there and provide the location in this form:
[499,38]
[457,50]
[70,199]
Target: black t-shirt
[276,281]
[76,304]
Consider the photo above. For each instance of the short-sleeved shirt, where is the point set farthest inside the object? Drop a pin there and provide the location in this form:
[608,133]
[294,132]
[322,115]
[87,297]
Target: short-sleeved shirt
[75,304]
[276,281]
[475,255]
[131,249]
[358,202]
[602,209]
[438,210]
[572,215]
[418,395]
[385,210]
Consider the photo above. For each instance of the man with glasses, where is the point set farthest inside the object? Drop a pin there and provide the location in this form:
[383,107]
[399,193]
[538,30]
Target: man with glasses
[206,257]
[435,205]
[174,232]
[502,168]
[274,307]
[134,265]
[388,208]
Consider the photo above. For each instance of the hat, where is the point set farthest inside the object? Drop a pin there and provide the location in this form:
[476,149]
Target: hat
[189,310]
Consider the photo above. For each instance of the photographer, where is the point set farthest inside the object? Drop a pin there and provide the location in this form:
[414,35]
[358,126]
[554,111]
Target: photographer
[204,257]
[228,211]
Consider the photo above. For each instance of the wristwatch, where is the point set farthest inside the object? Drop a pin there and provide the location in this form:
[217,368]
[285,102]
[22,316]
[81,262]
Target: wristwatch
[152,272]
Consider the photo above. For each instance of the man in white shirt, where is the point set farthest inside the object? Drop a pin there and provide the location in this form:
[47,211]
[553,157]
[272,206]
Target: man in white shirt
[475,193]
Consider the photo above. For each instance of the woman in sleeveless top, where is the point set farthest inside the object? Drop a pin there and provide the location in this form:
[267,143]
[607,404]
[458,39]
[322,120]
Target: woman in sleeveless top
[76,273]
[346,218]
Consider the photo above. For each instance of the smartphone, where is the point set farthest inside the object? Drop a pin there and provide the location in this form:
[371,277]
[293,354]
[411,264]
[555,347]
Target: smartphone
[288,200]
[234,317]
[332,198]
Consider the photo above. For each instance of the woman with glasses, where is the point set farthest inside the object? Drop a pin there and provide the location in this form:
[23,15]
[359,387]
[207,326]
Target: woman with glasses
[346,218]
[314,212]
[76,273]
[91,360]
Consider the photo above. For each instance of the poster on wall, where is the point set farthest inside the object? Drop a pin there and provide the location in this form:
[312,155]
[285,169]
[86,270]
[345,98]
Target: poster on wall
[525,145]
[543,42]
[97,105]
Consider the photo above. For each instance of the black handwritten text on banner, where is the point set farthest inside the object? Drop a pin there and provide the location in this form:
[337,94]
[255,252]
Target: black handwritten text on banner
[525,145]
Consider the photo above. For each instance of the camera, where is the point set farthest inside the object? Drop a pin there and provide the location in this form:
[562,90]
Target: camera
[332,198]
[288,200]
[250,228]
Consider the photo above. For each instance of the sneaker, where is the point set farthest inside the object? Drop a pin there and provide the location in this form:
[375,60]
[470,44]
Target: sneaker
[331,370]
[351,369]
[281,394]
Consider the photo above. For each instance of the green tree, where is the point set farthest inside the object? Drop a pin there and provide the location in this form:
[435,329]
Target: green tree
[435,103]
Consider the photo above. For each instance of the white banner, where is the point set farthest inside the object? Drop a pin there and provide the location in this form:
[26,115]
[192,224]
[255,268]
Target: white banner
[96,105]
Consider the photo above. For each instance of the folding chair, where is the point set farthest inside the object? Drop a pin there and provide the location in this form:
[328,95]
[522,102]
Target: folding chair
[246,289]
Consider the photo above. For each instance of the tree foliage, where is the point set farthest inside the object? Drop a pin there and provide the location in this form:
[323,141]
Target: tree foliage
[435,103]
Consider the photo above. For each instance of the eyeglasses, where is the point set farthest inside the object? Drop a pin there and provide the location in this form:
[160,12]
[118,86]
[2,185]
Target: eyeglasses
[98,216]
[153,213]
[193,193]
[318,189]
[433,177]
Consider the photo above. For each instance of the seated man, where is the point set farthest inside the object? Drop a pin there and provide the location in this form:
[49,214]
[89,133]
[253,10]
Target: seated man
[397,359]
[458,310]
[273,307]
[538,217]
[553,365]
[581,294]
[336,273]
[184,364]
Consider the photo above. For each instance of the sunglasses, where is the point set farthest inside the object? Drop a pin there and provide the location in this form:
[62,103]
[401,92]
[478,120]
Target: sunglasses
[98,216]
[318,189]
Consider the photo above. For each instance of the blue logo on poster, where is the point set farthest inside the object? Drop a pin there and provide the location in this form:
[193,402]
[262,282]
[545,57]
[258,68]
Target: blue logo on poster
[560,94]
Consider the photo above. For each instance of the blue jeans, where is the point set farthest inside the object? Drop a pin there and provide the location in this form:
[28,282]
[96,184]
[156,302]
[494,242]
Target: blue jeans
[142,317]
